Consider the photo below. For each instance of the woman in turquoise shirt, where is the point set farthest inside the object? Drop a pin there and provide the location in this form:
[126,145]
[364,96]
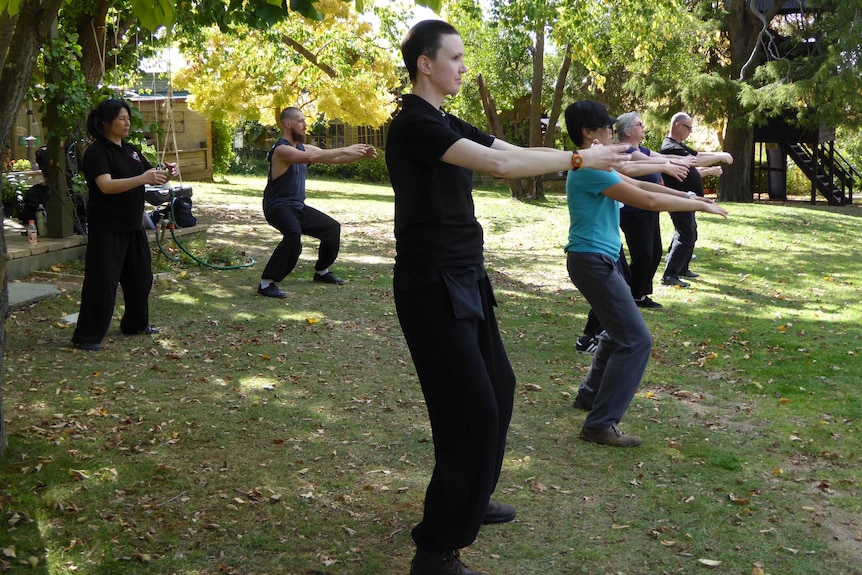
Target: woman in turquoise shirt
[592,249]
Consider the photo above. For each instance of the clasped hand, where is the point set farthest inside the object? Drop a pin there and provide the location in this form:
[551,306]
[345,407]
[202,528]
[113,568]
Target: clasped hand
[364,150]
[155,177]
[158,176]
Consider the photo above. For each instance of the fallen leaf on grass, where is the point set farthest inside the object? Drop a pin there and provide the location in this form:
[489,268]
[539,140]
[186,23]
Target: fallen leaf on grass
[9,551]
[739,500]
[78,474]
[709,562]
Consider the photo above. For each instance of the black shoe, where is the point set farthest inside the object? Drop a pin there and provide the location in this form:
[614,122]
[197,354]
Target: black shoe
[271,291]
[439,563]
[328,278]
[587,344]
[610,436]
[673,281]
[690,274]
[579,403]
[646,302]
[149,330]
[498,513]
[87,346]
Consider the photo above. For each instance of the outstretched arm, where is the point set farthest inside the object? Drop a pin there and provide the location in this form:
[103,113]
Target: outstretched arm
[655,198]
[313,155]
[655,166]
[504,160]
[712,158]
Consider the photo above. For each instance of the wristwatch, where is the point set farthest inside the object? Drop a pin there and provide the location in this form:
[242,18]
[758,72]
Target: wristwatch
[577,160]
[690,194]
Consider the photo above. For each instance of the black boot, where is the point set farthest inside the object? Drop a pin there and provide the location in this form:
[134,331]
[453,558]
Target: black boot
[439,563]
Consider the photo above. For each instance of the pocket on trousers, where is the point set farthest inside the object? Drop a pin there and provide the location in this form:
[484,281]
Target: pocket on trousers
[463,287]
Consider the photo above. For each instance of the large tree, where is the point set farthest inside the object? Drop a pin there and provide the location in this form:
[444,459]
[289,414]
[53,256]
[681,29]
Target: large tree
[756,60]
[804,65]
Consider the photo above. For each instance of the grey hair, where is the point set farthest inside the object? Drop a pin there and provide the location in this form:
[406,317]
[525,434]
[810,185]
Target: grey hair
[624,122]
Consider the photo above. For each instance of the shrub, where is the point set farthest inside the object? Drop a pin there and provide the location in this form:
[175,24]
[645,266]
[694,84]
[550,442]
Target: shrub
[248,166]
[13,195]
[222,141]
[371,170]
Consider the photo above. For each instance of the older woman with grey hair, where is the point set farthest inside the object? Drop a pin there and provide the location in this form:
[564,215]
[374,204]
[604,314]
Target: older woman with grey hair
[641,227]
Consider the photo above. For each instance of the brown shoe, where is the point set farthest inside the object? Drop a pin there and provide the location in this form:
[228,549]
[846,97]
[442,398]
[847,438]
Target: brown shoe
[610,436]
[439,563]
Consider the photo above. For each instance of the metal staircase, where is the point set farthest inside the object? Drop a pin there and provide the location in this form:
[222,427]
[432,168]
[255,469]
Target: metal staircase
[829,172]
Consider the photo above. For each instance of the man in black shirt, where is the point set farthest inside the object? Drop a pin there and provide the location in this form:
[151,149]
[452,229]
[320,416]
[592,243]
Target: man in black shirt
[443,296]
[684,223]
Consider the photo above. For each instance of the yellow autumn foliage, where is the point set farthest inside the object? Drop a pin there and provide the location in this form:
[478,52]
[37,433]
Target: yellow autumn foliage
[335,68]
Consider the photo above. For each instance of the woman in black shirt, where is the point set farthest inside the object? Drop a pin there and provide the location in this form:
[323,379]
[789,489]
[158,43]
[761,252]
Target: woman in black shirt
[118,252]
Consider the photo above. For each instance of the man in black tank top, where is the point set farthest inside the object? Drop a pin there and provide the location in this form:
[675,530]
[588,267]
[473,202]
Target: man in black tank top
[284,203]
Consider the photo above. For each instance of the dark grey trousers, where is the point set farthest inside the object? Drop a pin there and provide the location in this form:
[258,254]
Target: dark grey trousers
[621,358]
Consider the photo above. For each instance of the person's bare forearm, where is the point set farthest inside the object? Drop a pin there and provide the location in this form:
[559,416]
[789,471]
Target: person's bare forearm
[711,158]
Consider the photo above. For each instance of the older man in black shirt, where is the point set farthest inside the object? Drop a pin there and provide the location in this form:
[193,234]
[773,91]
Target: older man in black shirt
[684,223]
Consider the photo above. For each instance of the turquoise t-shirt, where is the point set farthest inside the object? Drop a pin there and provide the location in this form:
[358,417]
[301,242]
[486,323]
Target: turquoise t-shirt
[594,219]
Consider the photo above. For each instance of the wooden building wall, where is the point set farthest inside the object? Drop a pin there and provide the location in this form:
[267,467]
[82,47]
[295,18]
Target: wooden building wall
[188,140]
[192,131]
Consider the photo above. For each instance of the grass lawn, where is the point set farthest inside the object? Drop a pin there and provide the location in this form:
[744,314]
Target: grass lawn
[263,436]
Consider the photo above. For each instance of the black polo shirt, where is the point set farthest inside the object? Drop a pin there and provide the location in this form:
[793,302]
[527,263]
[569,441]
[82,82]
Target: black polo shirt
[114,212]
[693,182]
[435,221]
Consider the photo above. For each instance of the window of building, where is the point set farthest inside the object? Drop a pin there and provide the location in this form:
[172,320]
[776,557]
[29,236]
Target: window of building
[368,135]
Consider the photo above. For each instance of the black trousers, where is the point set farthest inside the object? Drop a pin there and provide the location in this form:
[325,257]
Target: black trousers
[293,223]
[643,239]
[114,258]
[682,246]
[469,389]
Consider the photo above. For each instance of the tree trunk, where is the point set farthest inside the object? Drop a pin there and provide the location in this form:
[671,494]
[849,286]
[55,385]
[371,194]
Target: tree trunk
[537,192]
[4,305]
[28,33]
[743,32]
[31,30]
[7,26]
[489,106]
[557,105]
[735,182]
